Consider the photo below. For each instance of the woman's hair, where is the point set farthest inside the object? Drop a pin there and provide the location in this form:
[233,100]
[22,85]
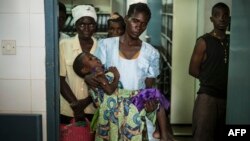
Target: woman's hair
[139,7]
[78,65]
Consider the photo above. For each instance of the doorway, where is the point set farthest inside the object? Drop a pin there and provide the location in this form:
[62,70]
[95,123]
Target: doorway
[52,76]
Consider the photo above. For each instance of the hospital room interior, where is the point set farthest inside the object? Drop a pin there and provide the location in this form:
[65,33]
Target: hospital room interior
[29,76]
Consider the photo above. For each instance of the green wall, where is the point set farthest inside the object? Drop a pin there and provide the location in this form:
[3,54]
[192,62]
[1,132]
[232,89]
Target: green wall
[238,108]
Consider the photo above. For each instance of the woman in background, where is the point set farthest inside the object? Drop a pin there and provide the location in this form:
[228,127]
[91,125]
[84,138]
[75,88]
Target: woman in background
[116,25]
[75,101]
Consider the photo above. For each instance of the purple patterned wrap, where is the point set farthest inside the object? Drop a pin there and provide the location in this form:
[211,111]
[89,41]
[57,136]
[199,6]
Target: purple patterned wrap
[149,94]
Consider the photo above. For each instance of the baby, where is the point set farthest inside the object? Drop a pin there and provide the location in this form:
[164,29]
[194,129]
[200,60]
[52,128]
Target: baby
[117,108]
[115,113]
[86,63]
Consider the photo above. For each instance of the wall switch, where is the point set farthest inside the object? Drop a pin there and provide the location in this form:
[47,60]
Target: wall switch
[8,47]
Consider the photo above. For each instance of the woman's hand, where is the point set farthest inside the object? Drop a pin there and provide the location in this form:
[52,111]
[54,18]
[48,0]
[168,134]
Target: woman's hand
[115,72]
[78,111]
[79,106]
[91,80]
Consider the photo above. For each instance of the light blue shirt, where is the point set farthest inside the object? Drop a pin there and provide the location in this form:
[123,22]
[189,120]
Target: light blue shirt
[133,72]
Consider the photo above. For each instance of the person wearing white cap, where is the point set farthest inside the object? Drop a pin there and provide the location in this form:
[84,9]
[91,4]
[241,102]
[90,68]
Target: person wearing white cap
[75,101]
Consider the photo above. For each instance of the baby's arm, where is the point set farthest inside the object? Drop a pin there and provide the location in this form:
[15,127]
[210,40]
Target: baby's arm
[149,82]
[150,105]
[109,88]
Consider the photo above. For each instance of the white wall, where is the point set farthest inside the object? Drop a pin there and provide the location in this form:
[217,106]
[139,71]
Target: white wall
[22,76]
[118,6]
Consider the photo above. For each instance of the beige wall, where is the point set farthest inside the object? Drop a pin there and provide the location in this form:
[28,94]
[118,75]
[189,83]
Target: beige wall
[184,36]
[22,76]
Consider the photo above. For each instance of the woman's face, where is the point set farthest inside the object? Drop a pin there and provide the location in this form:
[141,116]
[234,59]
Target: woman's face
[115,29]
[136,24]
[85,27]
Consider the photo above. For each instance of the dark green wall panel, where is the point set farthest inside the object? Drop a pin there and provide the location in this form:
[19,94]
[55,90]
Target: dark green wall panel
[238,108]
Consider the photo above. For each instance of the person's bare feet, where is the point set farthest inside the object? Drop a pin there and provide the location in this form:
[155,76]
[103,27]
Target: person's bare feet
[156,134]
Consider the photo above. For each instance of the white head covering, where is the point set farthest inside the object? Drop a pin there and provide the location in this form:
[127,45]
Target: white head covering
[82,11]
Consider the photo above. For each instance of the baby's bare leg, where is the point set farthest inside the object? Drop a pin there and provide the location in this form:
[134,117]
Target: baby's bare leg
[166,132]
[156,133]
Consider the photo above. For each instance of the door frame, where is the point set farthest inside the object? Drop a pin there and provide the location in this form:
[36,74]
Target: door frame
[52,75]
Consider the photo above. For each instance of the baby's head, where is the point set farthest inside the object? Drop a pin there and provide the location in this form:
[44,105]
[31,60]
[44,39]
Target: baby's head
[86,63]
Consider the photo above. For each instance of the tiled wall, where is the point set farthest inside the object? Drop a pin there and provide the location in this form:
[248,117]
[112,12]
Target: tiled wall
[22,76]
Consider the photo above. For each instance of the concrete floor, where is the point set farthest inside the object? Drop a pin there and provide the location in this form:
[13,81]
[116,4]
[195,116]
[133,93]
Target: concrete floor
[182,132]
[183,138]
